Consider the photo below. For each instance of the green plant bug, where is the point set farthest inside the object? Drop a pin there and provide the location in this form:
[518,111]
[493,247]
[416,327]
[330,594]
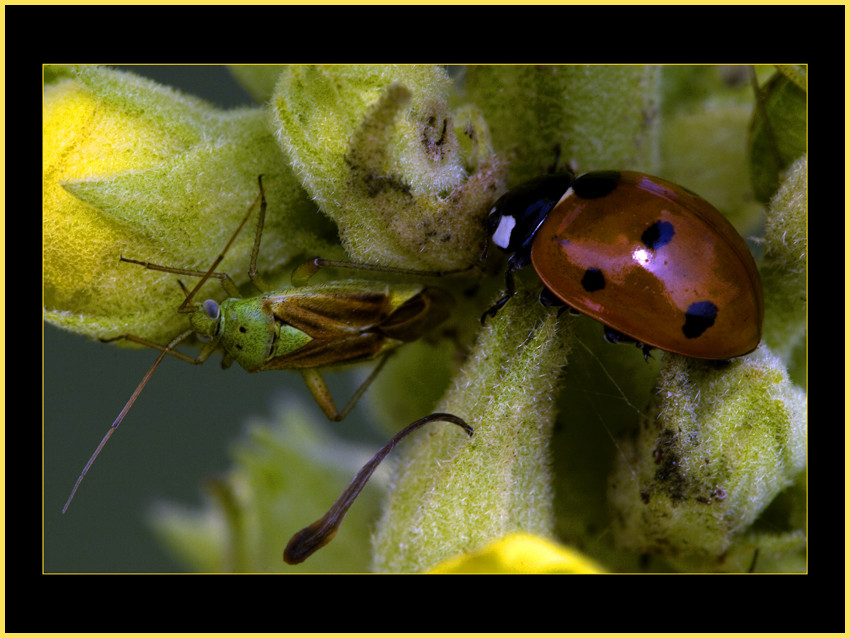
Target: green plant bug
[306,328]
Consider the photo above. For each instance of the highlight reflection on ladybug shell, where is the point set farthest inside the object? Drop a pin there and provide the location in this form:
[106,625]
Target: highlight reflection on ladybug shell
[653,261]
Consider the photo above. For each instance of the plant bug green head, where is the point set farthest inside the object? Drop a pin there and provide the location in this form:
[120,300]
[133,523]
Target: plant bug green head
[305,328]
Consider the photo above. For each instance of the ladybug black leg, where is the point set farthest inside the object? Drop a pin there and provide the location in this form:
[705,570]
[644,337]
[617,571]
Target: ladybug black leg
[510,291]
[647,351]
[550,300]
[494,309]
[615,336]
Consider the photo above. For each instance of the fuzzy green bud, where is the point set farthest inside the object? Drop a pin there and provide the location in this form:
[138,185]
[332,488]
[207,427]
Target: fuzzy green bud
[716,447]
[454,495]
[562,113]
[382,154]
[785,259]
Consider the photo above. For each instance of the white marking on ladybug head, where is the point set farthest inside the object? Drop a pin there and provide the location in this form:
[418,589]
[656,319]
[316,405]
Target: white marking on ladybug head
[502,234]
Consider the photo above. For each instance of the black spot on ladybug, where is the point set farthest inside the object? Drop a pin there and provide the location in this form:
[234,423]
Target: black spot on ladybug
[593,280]
[699,318]
[657,235]
[596,184]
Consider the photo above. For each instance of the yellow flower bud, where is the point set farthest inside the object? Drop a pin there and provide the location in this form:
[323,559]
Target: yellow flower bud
[520,554]
[135,169]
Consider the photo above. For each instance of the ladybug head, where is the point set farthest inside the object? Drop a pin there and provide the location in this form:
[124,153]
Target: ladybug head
[517,214]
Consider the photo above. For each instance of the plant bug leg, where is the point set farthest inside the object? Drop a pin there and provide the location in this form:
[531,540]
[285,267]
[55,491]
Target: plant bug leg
[302,274]
[321,395]
[318,534]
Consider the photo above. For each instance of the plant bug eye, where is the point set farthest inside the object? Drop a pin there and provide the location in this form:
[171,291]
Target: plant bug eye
[211,308]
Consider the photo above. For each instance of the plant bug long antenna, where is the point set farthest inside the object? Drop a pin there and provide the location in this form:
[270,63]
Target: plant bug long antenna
[315,536]
[305,328]
[123,413]
[185,307]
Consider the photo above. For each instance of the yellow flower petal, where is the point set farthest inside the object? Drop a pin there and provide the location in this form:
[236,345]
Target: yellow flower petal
[520,553]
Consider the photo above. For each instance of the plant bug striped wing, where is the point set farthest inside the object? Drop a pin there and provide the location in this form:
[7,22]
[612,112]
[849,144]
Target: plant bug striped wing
[304,328]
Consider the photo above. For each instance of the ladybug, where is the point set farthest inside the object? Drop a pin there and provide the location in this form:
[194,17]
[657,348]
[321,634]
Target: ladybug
[655,263]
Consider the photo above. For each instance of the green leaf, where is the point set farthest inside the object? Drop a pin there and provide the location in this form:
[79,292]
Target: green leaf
[777,133]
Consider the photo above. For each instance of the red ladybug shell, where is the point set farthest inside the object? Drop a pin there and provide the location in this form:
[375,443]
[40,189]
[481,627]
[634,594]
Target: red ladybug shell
[653,261]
